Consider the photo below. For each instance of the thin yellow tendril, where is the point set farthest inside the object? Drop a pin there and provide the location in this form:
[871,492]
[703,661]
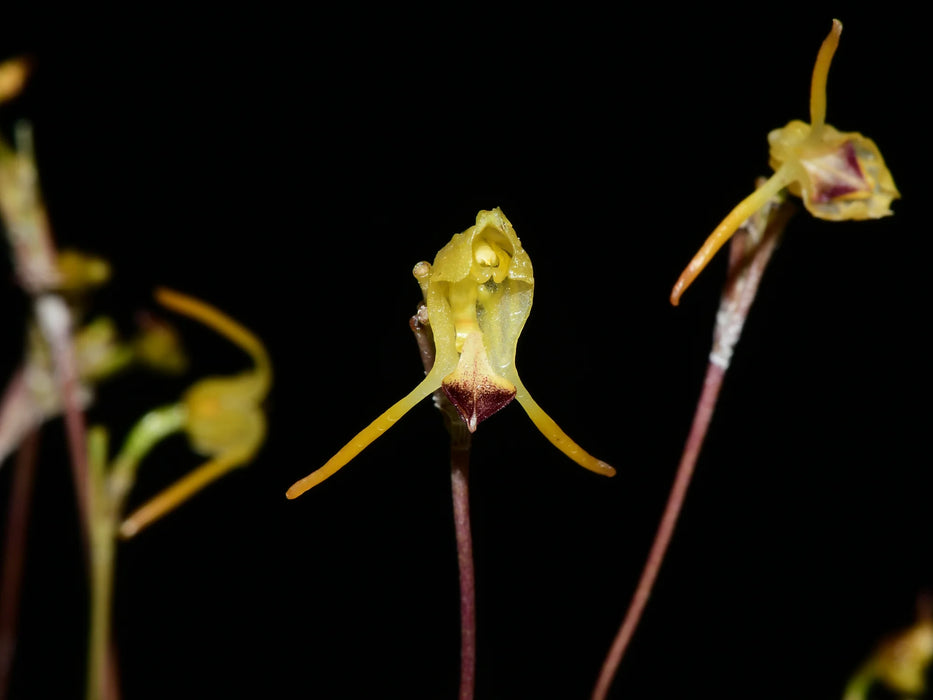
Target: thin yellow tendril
[428,385]
[177,493]
[820,73]
[544,423]
[223,324]
[728,227]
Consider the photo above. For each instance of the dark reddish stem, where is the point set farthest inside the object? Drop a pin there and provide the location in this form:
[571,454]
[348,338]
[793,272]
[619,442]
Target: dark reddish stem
[14,550]
[29,231]
[751,249]
[459,478]
[460,439]
[701,421]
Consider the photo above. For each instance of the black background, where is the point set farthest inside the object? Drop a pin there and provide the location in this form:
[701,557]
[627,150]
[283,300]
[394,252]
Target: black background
[291,170]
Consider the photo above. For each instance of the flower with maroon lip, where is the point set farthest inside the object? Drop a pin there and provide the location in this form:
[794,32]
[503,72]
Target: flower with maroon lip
[838,175]
[478,296]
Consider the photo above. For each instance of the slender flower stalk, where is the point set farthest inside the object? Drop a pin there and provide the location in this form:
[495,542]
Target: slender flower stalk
[14,552]
[25,219]
[460,491]
[749,255]
[109,488]
[102,531]
[460,441]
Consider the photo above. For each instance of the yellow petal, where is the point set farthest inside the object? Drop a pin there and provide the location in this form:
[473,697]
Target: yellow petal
[363,439]
[558,437]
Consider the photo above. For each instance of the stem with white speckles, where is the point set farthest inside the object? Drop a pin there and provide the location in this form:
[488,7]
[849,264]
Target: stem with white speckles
[749,254]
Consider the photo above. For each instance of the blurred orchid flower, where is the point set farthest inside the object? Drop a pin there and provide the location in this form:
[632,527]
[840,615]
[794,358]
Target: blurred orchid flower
[222,416]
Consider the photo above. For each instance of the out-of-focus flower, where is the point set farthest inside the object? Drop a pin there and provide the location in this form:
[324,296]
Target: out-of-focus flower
[478,296]
[81,272]
[158,346]
[901,661]
[33,395]
[222,416]
[838,175]
[13,74]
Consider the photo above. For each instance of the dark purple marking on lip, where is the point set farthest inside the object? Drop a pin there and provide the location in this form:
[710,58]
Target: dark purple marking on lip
[849,176]
[476,401]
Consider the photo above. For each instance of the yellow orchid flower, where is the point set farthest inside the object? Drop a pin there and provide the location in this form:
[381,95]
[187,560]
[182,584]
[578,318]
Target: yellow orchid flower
[222,416]
[478,296]
[839,175]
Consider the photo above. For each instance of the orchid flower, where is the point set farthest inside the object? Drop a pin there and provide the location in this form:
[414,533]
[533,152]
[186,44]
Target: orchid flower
[222,416]
[478,296]
[839,175]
